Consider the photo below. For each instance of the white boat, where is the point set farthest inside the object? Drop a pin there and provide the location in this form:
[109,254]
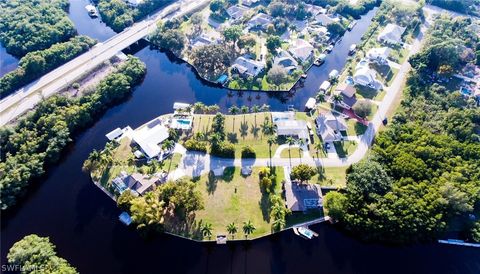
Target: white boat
[304,232]
[92,11]
[353,49]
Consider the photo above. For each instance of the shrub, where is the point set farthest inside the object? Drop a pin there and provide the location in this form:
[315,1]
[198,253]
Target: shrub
[223,149]
[195,145]
[248,152]
[302,172]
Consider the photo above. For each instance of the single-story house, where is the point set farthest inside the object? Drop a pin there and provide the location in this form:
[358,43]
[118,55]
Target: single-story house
[314,10]
[150,137]
[114,134]
[260,21]
[364,75]
[134,3]
[302,197]
[247,67]
[136,182]
[285,60]
[295,128]
[329,127]
[249,3]
[326,19]
[300,26]
[237,12]
[346,89]
[301,49]
[391,34]
[202,40]
[379,55]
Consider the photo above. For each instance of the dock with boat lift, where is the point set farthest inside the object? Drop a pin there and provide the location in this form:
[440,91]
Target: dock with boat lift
[303,231]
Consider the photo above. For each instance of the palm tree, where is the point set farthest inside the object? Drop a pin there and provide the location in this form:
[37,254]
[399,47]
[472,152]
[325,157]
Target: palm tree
[198,107]
[320,97]
[336,99]
[318,146]
[265,108]
[248,228]
[244,110]
[232,229]
[278,224]
[92,161]
[301,143]
[290,141]
[233,110]
[207,230]
[271,140]
[169,145]
[255,109]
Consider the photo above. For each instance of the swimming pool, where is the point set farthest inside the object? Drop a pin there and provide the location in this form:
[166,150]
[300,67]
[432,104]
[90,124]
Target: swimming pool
[349,80]
[184,122]
[465,91]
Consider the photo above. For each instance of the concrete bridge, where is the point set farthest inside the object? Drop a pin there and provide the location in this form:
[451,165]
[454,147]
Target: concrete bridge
[28,96]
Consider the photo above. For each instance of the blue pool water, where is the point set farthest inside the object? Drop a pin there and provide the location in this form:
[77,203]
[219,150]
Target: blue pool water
[183,122]
[465,91]
[349,80]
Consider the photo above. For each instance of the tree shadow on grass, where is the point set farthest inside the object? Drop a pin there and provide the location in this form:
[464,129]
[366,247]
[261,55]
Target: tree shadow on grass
[211,183]
[243,129]
[264,204]
[232,137]
[255,130]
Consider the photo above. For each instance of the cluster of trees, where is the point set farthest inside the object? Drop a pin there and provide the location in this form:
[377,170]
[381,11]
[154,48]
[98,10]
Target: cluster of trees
[423,175]
[219,146]
[34,254]
[37,63]
[462,6]
[277,210]
[211,60]
[363,108]
[178,199]
[37,141]
[449,46]
[167,36]
[31,25]
[291,9]
[356,10]
[302,172]
[118,15]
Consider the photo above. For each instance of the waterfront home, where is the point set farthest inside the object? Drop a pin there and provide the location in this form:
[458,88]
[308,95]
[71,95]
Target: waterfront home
[150,137]
[345,89]
[302,196]
[247,67]
[364,75]
[249,3]
[259,21]
[301,50]
[136,182]
[326,19]
[378,55]
[330,127]
[202,40]
[237,12]
[287,125]
[391,34]
[314,10]
[285,60]
[300,26]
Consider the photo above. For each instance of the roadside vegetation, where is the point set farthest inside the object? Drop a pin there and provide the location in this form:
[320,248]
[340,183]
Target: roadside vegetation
[37,141]
[31,25]
[37,63]
[36,254]
[423,176]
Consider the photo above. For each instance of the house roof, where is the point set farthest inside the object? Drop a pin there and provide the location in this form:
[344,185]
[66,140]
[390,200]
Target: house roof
[301,49]
[364,76]
[249,2]
[329,127]
[284,59]
[314,10]
[248,66]
[202,40]
[300,197]
[260,20]
[237,11]
[139,182]
[150,136]
[346,89]
[378,53]
[292,127]
[135,2]
[326,19]
[114,134]
[392,33]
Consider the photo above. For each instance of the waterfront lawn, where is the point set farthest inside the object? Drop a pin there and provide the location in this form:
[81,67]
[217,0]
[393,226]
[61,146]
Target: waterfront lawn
[241,130]
[345,148]
[234,198]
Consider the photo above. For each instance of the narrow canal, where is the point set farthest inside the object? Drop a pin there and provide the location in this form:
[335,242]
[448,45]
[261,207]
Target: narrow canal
[83,222]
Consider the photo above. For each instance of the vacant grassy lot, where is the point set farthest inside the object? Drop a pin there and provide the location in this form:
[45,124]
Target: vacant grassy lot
[234,198]
[330,176]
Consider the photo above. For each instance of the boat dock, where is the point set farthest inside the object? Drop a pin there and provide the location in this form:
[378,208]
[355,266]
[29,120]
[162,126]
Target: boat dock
[458,242]
[303,231]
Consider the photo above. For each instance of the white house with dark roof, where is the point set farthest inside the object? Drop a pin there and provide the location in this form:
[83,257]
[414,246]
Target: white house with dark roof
[391,34]
[365,76]
[247,67]
[301,49]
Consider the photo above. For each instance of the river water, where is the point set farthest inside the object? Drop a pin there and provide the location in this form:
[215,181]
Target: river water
[83,222]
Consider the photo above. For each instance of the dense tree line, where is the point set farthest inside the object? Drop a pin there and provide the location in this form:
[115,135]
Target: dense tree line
[462,6]
[424,173]
[31,25]
[177,200]
[169,37]
[37,63]
[36,254]
[38,140]
[118,15]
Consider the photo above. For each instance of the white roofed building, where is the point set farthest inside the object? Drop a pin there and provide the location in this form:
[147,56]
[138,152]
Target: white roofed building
[237,12]
[295,128]
[364,75]
[391,34]
[134,3]
[378,55]
[247,67]
[301,49]
[330,127]
[150,137]
[260,21]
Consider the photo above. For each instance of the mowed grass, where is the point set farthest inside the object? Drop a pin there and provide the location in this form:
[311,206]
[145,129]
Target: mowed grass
[234,198]
[330,176]
[241,130]
[345,148]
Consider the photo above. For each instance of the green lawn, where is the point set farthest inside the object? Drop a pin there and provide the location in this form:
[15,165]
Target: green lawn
[330,176]
[234,198]
[294,151]
[345,148]
[355,128]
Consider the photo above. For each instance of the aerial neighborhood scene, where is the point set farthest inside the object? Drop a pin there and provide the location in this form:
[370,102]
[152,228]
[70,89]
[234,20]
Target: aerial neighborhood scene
[240,136]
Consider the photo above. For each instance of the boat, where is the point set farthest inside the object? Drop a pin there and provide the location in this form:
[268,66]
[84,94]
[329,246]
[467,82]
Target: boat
[304,232]
[352,25]
[353,49]
[329,48]
[92,11]
[333,74]
[320,60]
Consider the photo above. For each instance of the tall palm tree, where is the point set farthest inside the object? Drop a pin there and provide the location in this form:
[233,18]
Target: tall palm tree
[169,145]
[255,109]
[336,99]
[232,229]
[320,97]
[207,230]
[93,160]
[244,110]
[290,141]
[234,111]
[318,146]
[271,140]
[248,228]
[301,143]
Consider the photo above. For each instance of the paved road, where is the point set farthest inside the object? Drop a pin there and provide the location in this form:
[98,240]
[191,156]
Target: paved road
[27,97]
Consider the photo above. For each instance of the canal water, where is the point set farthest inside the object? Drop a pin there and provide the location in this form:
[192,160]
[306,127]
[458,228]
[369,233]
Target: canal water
[83,222]
[7,61]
